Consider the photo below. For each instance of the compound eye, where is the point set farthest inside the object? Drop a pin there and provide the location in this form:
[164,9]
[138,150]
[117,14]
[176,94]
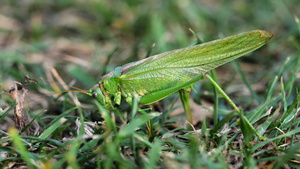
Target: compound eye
[95,94]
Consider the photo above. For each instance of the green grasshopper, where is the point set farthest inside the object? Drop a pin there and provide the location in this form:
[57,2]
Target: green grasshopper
[156,77]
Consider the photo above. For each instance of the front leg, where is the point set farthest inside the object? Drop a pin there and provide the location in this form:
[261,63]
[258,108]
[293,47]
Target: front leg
[117,98]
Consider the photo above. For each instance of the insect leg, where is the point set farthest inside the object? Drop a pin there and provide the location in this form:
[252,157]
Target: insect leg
[244,119]
[185,99]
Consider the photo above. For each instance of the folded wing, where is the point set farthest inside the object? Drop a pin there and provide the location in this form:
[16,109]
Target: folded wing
[179,66]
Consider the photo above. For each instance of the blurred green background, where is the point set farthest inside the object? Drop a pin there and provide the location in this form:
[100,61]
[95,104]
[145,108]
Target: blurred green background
[85,39]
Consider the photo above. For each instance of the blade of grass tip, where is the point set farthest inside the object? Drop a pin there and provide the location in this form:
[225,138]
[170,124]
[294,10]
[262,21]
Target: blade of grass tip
[142,139]
[158,31]
[274,82]
[222,122]
[11,106]
[104,70]
[220,149]
[286,123]
[260,137]
[197,41]
[21,149]
[29,124]
[272,88]
[136,122]
[245,120]
[154,155]
[283,95]
[262,129]
[216,110]
[57,123]
[52,128]
[255,116]
[246,130]
[290,154]
[60,116]
[290,83]
[291,108]
[280,136]
[150,51]
[288,59]
[81,129]
[239,70]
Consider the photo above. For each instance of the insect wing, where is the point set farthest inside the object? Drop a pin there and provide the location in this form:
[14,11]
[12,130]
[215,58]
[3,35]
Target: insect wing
[179,66]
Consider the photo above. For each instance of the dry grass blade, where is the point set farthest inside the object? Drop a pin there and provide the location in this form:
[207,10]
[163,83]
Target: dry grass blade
[64,85]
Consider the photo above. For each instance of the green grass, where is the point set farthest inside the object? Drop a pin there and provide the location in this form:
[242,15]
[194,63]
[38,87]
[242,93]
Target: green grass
[84,40]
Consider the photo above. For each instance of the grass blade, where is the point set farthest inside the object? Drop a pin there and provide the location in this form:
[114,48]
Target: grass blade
[154,155]
[21,149]
[136,122]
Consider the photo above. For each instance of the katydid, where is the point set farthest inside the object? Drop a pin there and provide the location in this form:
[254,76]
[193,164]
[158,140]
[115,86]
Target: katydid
[158,76]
